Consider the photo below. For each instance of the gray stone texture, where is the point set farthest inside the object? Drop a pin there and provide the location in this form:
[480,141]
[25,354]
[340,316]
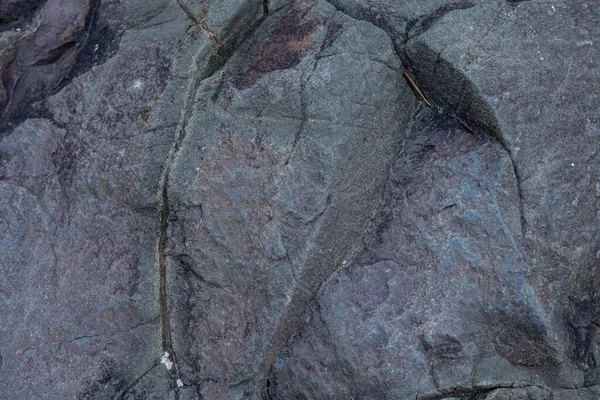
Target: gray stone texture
[246,199]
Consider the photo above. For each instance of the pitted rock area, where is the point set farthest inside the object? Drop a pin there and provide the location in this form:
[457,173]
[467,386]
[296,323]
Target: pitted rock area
[247,199]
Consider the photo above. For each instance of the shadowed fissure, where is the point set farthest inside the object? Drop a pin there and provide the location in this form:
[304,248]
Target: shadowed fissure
[169,357]
[164,216]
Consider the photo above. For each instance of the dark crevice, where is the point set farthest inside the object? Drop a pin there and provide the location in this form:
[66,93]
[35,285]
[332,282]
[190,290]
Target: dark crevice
[410,26]
[519,182]
[17,14]
[93,45]
[165,215]
[55,54]
[475,115]
[89,51]
[418,26]
[472,121]
[165,324]
[220,54]
[153,320]
[275,11]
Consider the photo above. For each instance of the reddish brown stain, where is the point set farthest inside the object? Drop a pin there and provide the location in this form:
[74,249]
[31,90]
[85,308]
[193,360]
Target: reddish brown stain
[286,45]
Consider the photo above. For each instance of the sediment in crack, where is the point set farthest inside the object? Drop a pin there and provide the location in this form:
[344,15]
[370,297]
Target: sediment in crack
[220,51]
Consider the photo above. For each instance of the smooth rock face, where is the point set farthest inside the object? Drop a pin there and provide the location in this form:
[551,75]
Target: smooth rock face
[241,199]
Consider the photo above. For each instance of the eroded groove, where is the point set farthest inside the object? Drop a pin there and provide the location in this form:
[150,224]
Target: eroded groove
[165,207]
[165,212]
[164,216]
[167,343]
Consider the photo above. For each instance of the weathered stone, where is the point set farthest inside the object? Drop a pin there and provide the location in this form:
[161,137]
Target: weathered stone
[528,327]
[188,184]
[265,174]
[451,203]
[521,81]
[80,222]
[12,11]
[43,55]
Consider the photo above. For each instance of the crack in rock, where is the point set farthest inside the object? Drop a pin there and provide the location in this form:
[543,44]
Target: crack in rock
[169,358]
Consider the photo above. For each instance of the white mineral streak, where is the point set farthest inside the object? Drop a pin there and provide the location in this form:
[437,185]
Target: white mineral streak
[165,360]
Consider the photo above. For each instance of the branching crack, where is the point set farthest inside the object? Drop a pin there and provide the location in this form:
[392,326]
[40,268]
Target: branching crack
[188,264]
[200,24]
[303,104]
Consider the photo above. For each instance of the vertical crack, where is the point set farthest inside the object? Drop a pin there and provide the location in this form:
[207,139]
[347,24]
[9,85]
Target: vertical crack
[520,194]
[303,103]
[165,323]
[165,214]
[165,207]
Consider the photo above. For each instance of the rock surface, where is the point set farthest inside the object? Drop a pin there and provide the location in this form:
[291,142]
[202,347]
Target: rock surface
[243,199]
